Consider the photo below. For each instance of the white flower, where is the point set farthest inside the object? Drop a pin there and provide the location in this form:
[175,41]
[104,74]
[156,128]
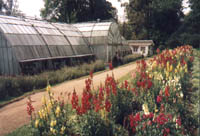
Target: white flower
[145,109]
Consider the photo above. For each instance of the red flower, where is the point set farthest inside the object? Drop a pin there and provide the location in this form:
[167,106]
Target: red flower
[126,84]
[159,99]
[132,123]
[107,105]
[133,90]
[88,83]
[91,73]
[191,58]
[101,94]
[144,116]
[167,91]
[166,132]
[178,121]
[74,100]
[110,66]
[30,107]
[114,89]
[138,83]
[137,117]
[158,50]
[161,119]
[97,104]
[149,84]
[150,122]
[151,115]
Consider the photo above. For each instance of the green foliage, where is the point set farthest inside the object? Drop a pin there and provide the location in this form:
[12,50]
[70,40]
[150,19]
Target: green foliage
[16,86]
[188,32]
[153,19]
[77,10]
[91,124]
[121,106]
[23,131]
[131,58]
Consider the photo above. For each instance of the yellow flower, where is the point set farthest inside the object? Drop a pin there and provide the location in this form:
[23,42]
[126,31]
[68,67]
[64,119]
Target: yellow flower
[145,108]
[44,100]
[62,130]
[102,113]
[49,106]
[58,111]
[154,65]
[53,123]
[167,65]
[48,88]
[167,74]
[186,70]
[40,114]
[53,130]
[176,71]
[171,68]
[37,123]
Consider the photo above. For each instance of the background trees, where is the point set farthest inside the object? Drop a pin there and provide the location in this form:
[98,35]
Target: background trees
[162,21]
[77,10]
[188,32]
[154,19]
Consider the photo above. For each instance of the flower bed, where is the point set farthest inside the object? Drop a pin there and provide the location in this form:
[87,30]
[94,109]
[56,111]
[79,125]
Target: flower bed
[156,101]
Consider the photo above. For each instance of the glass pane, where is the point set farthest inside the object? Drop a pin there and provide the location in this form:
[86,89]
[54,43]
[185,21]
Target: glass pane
[99,33]
[101,27]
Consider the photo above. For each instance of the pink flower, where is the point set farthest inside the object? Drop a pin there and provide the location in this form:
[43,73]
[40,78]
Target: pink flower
[159,99]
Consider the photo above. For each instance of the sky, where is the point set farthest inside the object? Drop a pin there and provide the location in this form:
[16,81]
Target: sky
[32,7]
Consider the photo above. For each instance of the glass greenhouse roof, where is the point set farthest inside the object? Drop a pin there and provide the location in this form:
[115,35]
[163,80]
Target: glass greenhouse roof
[34,39]
[100,33]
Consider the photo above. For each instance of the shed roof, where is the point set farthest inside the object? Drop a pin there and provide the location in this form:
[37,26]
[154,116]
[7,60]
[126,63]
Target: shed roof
[101,33]
[36,39]
[140,42]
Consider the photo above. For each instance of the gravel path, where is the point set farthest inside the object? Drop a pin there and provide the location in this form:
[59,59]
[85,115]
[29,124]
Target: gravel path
[14,115]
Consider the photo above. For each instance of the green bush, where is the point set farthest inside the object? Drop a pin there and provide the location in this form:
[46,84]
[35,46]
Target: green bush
[16,86]
[91,124]
[121,105]
[131,58]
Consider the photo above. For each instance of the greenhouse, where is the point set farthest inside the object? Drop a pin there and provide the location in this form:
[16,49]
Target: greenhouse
[30,46]
[104,38]
[125,49]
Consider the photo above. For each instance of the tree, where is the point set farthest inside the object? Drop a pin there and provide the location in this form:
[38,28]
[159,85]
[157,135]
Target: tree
[10,7]
[77,10]
[154,19]
[188,32]
[138,17]
[165,19]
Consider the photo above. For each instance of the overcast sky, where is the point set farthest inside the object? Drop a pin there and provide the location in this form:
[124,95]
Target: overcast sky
[32,7]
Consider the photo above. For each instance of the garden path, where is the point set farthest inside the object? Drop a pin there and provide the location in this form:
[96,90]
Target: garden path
[14,115]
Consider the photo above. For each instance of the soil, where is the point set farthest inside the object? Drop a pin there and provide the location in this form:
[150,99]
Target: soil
[14,115]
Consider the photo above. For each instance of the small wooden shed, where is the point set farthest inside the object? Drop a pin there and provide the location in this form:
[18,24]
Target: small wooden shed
[144,47]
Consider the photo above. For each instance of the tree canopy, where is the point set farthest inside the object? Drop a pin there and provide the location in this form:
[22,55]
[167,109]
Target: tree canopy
[188,32]
[77,10]
[154,19]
